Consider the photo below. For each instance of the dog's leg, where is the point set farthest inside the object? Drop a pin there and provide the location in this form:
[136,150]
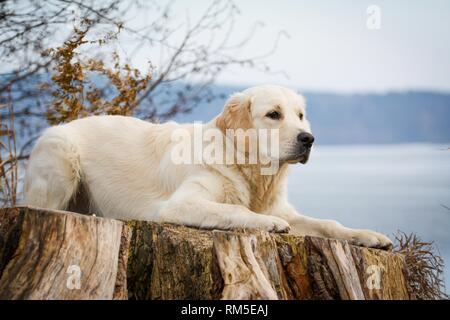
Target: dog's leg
[207,214]
[307,226]
[53,172]
[195,204]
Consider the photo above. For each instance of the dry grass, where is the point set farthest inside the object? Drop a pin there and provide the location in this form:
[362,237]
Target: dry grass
[8,159]
[425,266]
[74,93]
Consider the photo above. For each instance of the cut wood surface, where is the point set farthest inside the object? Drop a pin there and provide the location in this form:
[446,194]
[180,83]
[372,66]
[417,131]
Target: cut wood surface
[48,254]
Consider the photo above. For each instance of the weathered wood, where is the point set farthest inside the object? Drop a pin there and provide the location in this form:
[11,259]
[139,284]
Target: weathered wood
[249,265]
[172,262]
[332,265]
[319,268]
[121,284]
[379,269]
[143,260]
[57,255]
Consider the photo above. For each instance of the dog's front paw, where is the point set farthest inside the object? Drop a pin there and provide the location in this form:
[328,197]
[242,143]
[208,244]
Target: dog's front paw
[371,239]
[275,224]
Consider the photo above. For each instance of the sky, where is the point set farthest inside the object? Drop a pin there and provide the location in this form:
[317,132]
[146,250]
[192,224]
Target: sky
[330,47]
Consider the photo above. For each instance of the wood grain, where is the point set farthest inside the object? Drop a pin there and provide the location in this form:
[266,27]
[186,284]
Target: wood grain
[52,248]
[145,260]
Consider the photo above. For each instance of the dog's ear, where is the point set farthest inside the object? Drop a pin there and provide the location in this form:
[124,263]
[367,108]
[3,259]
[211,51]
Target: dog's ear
[236,113]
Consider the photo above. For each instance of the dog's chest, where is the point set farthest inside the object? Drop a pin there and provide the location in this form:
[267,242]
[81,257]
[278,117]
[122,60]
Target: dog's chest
[251,189]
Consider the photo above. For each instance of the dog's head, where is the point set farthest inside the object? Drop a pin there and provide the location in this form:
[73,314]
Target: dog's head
[271,107]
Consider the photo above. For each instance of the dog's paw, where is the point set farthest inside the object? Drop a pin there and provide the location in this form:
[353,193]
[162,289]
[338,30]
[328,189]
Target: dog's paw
[371,239]
[275,224]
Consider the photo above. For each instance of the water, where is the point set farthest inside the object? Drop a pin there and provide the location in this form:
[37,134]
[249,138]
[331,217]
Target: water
[383,187]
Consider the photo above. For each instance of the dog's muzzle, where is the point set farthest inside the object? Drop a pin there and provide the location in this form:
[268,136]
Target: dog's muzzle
[305,157]
[305,141]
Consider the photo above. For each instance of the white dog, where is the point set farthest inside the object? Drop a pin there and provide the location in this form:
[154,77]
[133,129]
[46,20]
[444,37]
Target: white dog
[125,167]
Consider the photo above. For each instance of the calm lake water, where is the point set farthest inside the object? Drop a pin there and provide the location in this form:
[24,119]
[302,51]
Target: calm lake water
[382,187]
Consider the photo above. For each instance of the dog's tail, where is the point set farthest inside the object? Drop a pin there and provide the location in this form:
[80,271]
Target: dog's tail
[54,171]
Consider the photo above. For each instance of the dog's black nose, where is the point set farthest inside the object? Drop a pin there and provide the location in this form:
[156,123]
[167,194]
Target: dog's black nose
[306,139]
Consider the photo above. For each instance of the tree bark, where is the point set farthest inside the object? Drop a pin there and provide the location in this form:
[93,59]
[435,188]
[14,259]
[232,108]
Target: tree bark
[48,254]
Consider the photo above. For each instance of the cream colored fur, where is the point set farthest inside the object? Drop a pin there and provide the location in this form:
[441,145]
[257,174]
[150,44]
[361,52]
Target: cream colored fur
[125,166]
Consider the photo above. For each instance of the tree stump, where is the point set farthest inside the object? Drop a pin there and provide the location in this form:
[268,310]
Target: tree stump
[47,254]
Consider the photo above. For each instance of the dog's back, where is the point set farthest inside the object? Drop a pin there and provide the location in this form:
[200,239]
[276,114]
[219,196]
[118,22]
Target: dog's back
[103,163]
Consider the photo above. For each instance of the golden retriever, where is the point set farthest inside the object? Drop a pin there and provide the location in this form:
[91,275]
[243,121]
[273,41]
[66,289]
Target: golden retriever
[132,169]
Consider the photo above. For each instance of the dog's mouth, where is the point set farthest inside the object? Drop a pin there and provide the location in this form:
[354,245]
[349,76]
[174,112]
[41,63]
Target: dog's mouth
[301,157]
[304,159]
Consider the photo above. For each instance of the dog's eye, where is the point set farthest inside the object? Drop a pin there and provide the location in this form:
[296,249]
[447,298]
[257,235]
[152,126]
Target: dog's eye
[300,116]
[275,115]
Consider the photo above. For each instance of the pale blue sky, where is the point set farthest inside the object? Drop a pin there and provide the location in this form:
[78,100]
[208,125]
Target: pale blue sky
[330,47]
